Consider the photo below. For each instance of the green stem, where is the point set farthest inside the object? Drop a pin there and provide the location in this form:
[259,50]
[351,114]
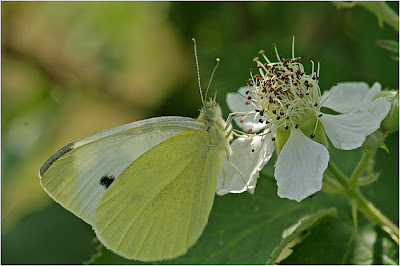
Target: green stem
[355,196]
[373,213]
[332,186]
[340,177]
[362,164]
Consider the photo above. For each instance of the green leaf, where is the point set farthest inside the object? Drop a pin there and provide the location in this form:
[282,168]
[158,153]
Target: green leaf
[297,229]
[50,236]
[334,242]
[242,228]
[328,243]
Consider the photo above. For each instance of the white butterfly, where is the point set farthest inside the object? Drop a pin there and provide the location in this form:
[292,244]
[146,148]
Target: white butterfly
[147,187]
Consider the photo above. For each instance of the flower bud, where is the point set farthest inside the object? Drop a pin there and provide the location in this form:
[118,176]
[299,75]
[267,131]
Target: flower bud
[374,141]
[391,121]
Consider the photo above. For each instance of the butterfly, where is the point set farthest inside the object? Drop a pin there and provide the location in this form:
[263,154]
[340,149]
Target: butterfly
[147,188]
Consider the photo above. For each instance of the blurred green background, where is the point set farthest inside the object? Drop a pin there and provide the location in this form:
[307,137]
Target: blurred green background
[70,69]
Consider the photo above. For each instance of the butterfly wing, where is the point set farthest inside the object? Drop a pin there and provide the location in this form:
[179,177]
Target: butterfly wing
[77,175]
[160,205]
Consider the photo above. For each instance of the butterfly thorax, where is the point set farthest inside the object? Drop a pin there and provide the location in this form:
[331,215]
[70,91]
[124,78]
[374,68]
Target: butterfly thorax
[211,116]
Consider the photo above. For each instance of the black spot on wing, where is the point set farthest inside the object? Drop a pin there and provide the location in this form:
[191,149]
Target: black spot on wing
[107,180]
[55,156]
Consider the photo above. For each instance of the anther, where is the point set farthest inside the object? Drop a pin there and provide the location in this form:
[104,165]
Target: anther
[278,117]
[250,129]
[274,112]
[241,120]
[309,58]
[315,104]
[249,98]
[256,59]
[247,92]
[319,115]
[312,136]
[252,150]
[286,127]
[335,84]
[261,112]
[296,126]
[301,96]
[248,102]
[261,121]
[274,44]
[273,139]
[261,51]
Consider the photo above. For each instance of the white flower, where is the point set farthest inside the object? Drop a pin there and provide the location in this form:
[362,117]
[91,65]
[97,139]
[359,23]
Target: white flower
[285,103]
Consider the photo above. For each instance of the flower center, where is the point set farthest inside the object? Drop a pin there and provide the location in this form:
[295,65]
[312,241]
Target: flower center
[282,93]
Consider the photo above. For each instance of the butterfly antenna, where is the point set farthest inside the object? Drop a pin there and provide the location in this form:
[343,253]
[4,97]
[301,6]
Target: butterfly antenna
[198,69]
[212,75]
[215,94]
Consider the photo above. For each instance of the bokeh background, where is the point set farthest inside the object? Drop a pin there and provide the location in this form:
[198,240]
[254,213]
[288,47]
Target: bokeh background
[70,69]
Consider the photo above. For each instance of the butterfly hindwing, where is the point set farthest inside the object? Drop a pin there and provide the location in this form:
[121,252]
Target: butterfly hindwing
[79,174]
[160,204]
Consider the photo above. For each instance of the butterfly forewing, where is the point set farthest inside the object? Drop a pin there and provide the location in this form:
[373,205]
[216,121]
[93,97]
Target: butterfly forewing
[78,175]
[160,205]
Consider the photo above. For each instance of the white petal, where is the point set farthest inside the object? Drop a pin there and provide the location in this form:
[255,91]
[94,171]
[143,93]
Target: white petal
[348,131]
[300,167]
[238,104]
[249,155]
[347,96]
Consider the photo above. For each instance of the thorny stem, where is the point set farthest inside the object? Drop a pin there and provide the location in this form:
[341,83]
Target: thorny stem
[363,204]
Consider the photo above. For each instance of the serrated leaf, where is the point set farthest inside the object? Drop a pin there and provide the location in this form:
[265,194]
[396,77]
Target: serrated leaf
[302,225]
[242,228]
[334,242]
[329,242]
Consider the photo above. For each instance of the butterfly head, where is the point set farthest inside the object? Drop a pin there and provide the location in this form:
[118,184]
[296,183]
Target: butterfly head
[210,112]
